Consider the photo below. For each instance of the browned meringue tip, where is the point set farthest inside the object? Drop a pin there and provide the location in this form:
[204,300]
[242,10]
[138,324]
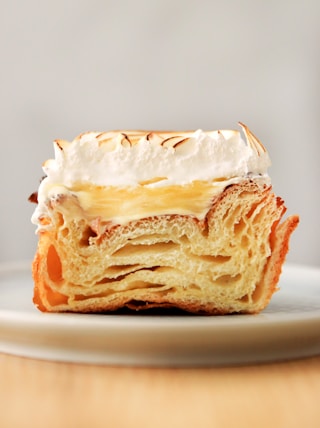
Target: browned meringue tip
[252,140]
[167,139]
[130,137]
[154,137]
[174,141]
[61,144]
[125,140]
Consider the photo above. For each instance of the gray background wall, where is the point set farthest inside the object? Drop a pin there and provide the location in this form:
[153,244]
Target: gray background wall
[72,66]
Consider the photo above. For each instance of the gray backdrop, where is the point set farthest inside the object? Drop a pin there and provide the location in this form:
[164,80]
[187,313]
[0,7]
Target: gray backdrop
[73,66]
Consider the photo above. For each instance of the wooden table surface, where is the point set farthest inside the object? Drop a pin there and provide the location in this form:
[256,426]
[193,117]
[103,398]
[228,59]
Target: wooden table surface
[35,393]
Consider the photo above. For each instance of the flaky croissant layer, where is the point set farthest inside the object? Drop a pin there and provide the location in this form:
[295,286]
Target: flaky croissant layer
[228,262]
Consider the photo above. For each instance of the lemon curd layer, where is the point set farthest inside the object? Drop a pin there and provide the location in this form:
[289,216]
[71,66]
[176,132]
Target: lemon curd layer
[121,205]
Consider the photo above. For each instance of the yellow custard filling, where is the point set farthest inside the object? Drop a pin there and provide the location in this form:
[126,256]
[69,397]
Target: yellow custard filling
[123,204]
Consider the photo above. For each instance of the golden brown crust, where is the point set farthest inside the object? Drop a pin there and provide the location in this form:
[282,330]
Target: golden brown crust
[280,237]
[230,262]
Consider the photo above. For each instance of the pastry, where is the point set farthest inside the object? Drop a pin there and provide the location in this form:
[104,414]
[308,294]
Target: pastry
[141,220]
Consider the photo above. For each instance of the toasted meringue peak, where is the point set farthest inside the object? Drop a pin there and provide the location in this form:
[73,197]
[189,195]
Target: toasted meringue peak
[254,142]
[127,158]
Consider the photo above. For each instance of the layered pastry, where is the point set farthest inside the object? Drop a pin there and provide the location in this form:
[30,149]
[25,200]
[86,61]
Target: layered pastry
[141,220]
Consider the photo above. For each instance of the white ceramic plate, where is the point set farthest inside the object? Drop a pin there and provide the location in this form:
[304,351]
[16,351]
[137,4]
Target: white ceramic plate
[288,328]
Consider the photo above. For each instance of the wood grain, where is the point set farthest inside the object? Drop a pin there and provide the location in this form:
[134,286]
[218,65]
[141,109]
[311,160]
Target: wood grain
[48,394]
